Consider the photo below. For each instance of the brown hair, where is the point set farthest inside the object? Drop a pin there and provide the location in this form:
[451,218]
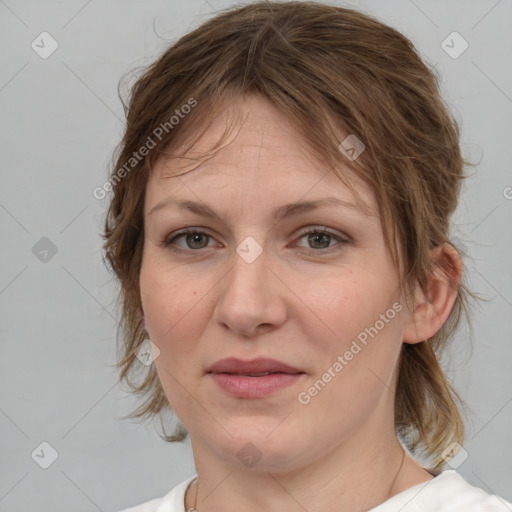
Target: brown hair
[328,69]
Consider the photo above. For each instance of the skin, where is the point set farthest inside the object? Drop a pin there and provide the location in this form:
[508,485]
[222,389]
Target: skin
[297,303]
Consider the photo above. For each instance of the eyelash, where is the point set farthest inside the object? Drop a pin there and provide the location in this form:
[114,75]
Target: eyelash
[307,231]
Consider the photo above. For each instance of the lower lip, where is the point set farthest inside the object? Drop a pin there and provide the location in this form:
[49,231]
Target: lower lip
[244,386]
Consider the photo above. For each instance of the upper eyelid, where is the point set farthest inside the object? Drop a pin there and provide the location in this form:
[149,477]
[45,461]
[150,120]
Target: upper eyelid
[187,231]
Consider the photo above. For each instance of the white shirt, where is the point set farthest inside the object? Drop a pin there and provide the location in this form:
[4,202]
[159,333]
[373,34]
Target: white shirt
[447,492]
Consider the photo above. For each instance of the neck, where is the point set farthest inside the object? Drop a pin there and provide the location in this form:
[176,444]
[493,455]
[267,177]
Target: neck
[346,478]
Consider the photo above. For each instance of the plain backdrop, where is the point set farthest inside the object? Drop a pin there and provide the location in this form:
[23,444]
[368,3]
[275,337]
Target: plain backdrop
[60,121]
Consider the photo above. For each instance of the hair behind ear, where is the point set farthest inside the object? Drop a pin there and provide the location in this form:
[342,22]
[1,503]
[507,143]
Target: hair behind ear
[426,412]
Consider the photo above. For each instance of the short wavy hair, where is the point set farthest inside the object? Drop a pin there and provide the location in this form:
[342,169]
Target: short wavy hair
[327,69]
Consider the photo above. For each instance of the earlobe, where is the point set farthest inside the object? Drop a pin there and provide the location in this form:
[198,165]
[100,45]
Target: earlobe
[433,306]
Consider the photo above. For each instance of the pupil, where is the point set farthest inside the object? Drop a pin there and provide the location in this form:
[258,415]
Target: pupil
[320,235]
[194,238]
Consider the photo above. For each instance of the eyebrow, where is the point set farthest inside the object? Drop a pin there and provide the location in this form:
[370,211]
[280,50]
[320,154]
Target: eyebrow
[278,213]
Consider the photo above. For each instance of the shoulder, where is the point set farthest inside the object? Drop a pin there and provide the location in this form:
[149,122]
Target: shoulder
[447,492]
[455,494]
[174,500]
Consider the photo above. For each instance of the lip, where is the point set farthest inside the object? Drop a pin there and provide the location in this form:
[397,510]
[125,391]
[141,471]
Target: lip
[232,376]
[260,365]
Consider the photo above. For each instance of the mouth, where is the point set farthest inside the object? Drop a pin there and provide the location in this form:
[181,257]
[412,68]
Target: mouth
[257,378]
[261,374]
[259,367]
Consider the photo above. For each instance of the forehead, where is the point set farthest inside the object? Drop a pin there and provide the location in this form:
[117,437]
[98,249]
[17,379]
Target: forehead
[251,150]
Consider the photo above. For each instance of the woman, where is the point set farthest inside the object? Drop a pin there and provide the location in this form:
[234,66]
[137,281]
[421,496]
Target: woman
[279,227]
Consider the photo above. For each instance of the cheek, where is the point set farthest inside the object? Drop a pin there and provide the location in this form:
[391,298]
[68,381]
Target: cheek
[171,309]
[173,312]
[353,377]
[349,304]
[361,322]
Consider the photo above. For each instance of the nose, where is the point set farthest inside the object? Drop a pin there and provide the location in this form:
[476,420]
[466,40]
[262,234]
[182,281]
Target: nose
[252,299]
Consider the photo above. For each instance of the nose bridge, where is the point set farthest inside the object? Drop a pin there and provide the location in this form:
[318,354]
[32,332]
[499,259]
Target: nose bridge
[248,278]
[249,297]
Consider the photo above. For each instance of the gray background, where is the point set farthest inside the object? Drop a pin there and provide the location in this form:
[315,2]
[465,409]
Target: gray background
[61,119]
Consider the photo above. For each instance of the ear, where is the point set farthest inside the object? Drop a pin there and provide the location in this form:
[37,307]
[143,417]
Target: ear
[432,310]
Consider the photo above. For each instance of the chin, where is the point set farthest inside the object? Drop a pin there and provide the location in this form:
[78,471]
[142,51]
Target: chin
[261,446]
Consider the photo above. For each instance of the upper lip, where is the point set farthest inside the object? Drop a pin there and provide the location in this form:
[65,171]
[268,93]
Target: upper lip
[259,365]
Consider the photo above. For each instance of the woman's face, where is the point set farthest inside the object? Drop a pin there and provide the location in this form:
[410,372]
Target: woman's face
[254,282]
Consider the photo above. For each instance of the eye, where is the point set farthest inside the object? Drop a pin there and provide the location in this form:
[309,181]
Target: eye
[194,240]
[320,239]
